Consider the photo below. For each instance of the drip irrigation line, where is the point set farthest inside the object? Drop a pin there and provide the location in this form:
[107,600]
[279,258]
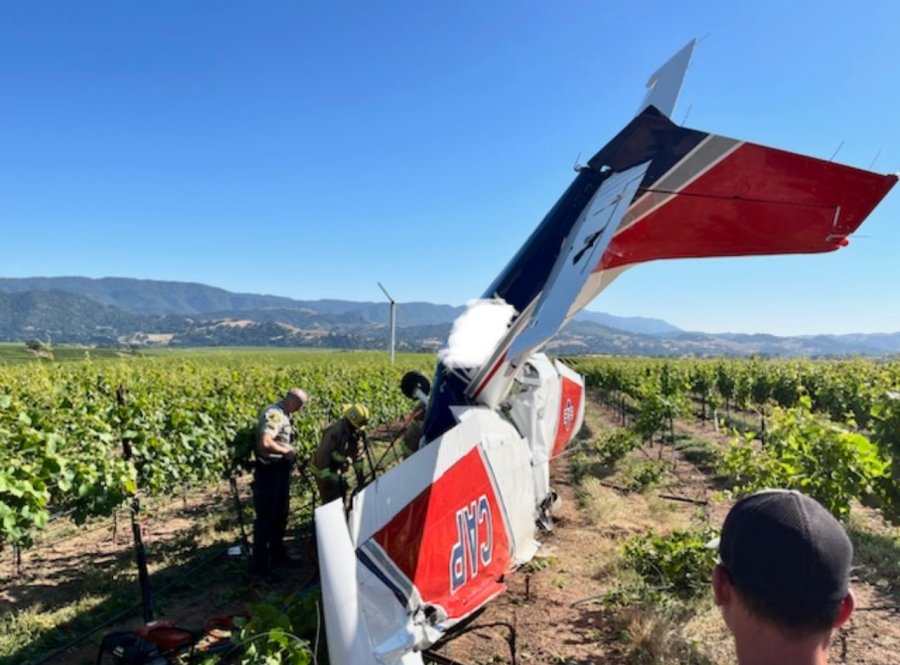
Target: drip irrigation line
[78,532]
[683,499]
[583,446]
[589,599]
[59,514]
[104,525]
[667,497]
[602,596]
[471,628]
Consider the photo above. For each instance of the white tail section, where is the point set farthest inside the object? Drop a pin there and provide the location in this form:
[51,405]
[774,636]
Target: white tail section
[665,84]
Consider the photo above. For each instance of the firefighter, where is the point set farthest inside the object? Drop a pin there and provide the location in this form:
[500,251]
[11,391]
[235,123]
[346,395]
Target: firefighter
[343,444]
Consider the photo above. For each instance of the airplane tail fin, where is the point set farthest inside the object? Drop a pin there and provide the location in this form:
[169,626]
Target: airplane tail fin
[659,191]
[664,86]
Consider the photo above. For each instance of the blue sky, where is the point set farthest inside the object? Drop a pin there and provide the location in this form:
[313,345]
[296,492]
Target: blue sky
[309,149]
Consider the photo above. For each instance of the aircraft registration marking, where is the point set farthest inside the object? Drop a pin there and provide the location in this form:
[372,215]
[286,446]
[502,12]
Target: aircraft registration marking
[472,548]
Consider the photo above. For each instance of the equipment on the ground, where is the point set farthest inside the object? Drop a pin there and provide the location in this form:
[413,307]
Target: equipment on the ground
[156,643]
[163,643]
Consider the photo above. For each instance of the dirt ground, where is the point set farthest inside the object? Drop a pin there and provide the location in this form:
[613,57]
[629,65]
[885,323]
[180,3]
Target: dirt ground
[76,578]
[552,613]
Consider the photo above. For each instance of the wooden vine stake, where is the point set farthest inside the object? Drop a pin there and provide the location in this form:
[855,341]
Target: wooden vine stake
[140,553]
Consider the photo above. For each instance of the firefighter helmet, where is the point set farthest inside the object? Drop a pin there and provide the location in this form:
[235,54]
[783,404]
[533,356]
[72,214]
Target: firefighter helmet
[356,414]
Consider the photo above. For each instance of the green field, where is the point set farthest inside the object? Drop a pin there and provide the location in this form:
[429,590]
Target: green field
[15,352]
[830,428]
[62,425]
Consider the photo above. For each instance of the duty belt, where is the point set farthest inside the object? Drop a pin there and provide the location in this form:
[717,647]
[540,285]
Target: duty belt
[274,460]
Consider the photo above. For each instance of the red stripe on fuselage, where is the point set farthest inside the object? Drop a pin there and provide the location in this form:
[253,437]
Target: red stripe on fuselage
[427,538]
[571,395]
[490,375]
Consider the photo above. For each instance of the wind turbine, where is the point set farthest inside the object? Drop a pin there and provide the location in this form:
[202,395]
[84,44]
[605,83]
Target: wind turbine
[393,317]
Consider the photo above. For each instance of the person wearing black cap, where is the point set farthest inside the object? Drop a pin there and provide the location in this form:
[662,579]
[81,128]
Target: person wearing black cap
[783,582]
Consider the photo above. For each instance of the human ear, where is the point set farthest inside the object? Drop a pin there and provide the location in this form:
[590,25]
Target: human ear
[721,585]
[846,610]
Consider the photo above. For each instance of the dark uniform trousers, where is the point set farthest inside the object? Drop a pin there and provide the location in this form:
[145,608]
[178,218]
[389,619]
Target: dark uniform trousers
[271,497]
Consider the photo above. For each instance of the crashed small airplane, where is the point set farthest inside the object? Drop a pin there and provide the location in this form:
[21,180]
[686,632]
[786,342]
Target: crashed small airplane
[429,542]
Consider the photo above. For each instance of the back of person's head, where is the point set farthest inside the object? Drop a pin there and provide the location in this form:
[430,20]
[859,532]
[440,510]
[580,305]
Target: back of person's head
[788,560]
[297,396]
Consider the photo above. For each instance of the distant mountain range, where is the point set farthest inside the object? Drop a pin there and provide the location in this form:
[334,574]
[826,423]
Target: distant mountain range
[119,311]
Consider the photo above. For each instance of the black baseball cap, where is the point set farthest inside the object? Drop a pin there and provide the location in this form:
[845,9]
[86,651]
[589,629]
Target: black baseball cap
[784,546]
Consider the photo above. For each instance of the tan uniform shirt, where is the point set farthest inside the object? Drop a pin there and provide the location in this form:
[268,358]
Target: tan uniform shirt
[276,423]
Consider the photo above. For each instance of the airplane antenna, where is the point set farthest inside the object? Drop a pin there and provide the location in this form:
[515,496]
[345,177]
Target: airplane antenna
[393,317]
[837,150]
[577,166]
[875,159]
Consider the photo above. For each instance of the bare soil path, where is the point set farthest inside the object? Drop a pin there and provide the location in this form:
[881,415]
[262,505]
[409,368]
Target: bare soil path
[555,607]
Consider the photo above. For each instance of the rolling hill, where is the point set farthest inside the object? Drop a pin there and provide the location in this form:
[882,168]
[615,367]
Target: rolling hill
[121,311]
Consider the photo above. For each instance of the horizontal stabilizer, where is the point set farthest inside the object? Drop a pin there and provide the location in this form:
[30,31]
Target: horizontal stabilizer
[751,200]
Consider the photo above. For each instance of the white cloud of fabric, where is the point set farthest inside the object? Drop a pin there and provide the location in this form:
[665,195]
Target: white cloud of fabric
[476,333]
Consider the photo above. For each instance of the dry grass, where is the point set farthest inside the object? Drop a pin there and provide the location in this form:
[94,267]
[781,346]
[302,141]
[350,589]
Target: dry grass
[653,637]
[649,635]
[707,631]
[623,515]
[675,634]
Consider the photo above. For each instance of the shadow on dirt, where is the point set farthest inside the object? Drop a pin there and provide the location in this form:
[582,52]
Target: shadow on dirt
[195,582]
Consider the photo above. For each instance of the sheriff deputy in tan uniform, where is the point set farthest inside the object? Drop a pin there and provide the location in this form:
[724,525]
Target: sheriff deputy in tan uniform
[275,455]
[342,443]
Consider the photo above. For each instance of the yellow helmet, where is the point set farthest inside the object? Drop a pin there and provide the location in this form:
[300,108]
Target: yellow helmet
[356,414]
